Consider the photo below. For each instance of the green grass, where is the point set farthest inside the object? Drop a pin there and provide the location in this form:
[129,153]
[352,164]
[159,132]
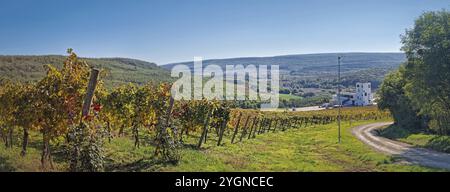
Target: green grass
[431,141]
[312,148]
[11,160]
[303,149]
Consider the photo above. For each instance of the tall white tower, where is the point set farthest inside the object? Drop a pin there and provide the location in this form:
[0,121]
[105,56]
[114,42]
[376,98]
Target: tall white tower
[363,94]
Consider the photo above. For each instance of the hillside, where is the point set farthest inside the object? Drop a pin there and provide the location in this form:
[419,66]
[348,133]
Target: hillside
[310,67]
[311,79]
[119,70]
[301,75]
[313,62]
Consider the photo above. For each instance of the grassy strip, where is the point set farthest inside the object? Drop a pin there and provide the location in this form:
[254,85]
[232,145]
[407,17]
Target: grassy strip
[312,148]
[435,142]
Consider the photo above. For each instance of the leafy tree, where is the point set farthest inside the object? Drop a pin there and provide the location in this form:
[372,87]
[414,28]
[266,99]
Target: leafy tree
[393,97]
[418,95]
[427,71]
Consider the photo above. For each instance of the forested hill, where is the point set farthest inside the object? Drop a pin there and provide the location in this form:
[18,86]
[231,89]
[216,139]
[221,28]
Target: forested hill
[303,69]
[314,62]
[320,70]
[119,70]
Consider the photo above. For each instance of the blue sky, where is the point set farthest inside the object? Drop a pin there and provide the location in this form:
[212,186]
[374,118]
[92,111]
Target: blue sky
[166,31]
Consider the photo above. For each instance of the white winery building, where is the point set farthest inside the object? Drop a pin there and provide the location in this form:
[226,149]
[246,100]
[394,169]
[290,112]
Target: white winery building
[361,97]
[363,94]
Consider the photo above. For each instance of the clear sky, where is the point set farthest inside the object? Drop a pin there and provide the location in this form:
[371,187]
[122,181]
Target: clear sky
[165,31]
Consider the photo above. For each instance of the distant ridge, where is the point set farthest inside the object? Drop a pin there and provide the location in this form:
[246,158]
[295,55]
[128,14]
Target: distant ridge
[356,66]
[359,60]
[320,70]
[120,70]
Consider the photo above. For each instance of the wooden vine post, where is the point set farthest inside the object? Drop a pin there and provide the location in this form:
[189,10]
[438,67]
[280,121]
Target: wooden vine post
[222,130]
[255,121]
[205,129]
[270,126]
[244,131]
[162,129]
[236,127]
[90,92]
[261,124]
[276,124]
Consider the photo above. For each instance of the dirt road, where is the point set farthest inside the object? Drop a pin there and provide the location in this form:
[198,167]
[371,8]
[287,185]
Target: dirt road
[408,152]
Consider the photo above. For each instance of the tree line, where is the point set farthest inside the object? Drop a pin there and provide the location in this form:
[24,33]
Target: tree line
[418,93]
